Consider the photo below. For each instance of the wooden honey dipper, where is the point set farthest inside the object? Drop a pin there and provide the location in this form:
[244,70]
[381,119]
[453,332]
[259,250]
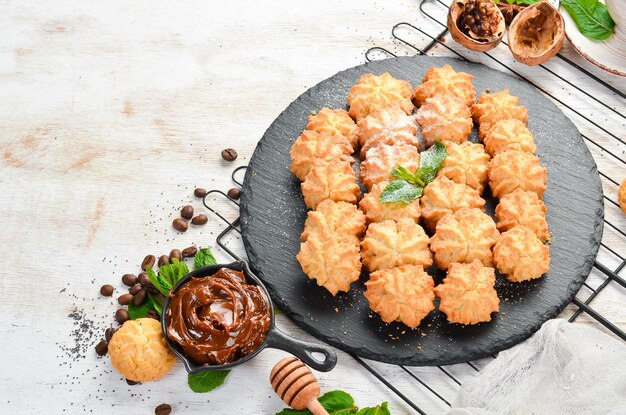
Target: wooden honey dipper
[296,385]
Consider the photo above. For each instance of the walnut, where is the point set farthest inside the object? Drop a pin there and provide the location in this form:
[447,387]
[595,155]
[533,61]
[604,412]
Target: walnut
[476,24]
[536,34]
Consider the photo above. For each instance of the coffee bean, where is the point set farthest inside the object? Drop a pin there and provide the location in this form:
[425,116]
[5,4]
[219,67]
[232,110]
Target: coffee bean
[199,192]
[108,333]
[163,409]
[175,253]
[153,314]
[140,298]
[186,212]
[152,289]
[106,290]
[199,219]
[134,289]
[148,262]
[189,251]
[229,154]
[143,279]
[180,225]
[129,279]
[163,259]
[124,299]
[121,316]
[102,348]
[234,193]
[131,382]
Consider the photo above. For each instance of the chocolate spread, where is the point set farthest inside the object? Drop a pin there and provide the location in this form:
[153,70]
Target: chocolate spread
[218,319]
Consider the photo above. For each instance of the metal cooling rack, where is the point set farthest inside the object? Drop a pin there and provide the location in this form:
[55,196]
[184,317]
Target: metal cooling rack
[434,391]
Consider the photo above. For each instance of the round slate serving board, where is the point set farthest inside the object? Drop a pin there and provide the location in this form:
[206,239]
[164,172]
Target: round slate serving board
[273,215]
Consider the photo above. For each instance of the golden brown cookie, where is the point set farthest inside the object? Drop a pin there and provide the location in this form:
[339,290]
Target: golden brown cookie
[621,196]
[521,255]
[442,196]
[334,180]
[331,217]
[402,294]
[380,160]
[523,208]
[464,236]
[467,294]
[493,107]
[509,134]
[139,352]
[444,118]
[446,81]
[391,244]
[390,125]
[334,121]
[515,169]
[373,91]
[312,146]
[377,211]
[466,163]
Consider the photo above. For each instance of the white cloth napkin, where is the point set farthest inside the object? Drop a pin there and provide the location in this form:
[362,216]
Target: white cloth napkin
[563,369]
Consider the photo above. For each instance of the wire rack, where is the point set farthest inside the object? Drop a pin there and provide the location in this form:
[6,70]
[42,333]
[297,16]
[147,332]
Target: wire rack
[426,385]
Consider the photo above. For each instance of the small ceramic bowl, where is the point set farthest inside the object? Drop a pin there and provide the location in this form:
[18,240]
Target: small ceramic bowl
[274,338]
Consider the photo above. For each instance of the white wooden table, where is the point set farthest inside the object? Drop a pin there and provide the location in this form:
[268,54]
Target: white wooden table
[111,113]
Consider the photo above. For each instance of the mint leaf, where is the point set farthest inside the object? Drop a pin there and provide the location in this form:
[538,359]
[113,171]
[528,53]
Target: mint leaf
[401,191]
[430,162]
[378,410]
[404,174]
[591,17]
[206,381]
[203,258]
[154,279]
[335,403]
[157,302]
[141,311]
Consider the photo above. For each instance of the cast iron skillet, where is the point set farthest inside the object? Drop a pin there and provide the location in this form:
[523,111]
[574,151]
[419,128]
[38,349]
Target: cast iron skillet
[275,338]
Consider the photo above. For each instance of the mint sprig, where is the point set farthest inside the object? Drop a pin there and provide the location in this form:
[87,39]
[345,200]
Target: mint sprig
[340,403]
[204,257]
[591,17]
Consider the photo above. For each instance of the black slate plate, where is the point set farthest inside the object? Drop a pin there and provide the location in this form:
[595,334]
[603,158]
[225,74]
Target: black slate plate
[273,215]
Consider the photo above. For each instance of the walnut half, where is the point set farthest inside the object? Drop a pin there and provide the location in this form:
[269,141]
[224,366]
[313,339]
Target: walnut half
[536,34]
[476,24]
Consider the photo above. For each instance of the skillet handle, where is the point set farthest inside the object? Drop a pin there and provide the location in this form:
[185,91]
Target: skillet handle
[303,350]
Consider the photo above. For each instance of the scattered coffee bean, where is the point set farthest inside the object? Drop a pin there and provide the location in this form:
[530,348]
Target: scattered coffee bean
[163,409]
[153,314]
[199,192]
[134,289]
[106,290]
[199,219]
[234,193]
[186,212]
[102,348]
[175,253]
[180,225]
[121,316]
[143,279]
[131,382]
[163,259]
[140,298]
[148,262]
[189,251]
[152,289]
[229,154]
[108,333]
[129,279]
[124,299]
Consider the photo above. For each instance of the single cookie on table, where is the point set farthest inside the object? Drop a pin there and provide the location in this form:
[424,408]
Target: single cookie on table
[382,159]
[467,294]
[312,146]
[466,163]
[463,236]
[334,180]
[442,117]
[621,196]
[446,81]
[373,91]
[515,169]
[493,107]
[509,134]
[390,125]
[334,121]
[334,218]
[377,211]
[391,244]
[521,255]
[403,294]
[139,352]
[523,208]
[442,196]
